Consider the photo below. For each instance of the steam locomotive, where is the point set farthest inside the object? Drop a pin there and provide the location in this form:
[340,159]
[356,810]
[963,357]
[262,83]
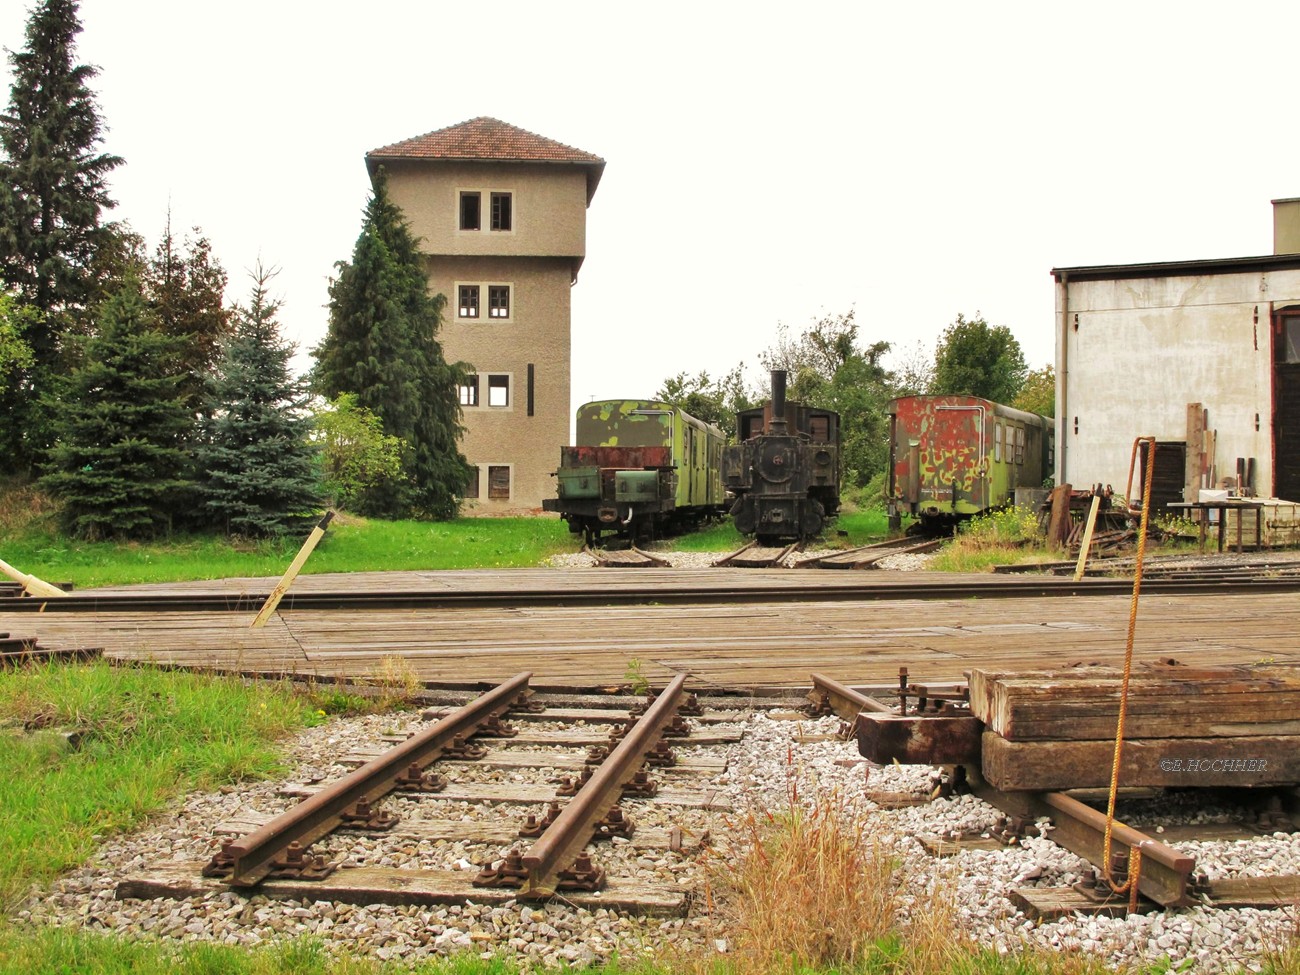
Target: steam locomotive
[785,468]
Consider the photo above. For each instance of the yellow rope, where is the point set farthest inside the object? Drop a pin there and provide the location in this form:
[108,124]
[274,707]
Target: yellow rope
[1130,886]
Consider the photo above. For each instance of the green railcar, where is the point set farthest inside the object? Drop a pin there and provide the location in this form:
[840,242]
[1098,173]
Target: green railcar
[640,468]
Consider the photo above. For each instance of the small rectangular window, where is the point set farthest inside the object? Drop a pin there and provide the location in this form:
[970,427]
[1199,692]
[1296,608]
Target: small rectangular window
[471,485]
[499,483]
[498,301]
[1291,338]
[819,428]
[469,211]
[997,442]
[469,391]
[498,390]
[501,215]
[469,301]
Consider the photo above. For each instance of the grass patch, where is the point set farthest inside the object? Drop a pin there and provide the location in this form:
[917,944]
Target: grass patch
[351,545]
[1007,536]
[143,737]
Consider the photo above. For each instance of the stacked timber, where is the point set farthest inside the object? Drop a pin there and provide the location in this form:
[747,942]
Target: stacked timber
[1228,726]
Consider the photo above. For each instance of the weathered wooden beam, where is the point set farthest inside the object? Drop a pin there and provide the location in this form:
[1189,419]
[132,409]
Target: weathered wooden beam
[1242,762]
[291,573]
[919,740]
[33,585]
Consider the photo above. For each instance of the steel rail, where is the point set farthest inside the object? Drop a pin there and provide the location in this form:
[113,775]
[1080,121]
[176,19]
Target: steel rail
[1165,875]
[843,700]
[575,825]
[661,593]
[253,856]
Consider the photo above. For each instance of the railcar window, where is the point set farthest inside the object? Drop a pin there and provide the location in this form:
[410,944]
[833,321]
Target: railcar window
[997,441]
[819,428]
[1291,327]
[1020,445]
[499,482]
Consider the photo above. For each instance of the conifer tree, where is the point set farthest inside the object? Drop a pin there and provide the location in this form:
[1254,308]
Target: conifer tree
[52,191]
[258,465]
[382,347]
[118,460]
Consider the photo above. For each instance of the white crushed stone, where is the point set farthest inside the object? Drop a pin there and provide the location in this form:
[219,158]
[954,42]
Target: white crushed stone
[779,762]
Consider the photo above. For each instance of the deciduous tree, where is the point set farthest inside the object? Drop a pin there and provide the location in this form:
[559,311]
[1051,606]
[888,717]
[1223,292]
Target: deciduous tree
[973,358]
[358,460]
[1038,394]
[713,401]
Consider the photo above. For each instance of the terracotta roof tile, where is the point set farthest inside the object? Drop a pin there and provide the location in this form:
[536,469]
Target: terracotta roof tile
[485,139]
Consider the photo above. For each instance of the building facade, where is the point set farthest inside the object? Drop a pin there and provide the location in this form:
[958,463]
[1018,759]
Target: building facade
[500,214]
[1140,348]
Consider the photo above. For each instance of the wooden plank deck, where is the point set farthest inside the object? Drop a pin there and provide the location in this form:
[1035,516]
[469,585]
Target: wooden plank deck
[754,645]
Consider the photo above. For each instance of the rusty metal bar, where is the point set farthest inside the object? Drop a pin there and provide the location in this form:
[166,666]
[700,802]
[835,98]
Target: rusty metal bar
[844,701]
[253,855]
[575,825]
[1165,875]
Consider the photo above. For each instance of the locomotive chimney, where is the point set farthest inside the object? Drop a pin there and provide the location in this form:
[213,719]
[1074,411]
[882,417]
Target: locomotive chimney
[778,424]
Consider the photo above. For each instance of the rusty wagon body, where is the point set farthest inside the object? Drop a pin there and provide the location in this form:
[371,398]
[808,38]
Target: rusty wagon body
[951,457]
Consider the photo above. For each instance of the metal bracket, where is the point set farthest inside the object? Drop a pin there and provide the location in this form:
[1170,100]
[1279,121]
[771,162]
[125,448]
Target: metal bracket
[364,816]
[298,864]
[510,872]
[415,779]
[583,875]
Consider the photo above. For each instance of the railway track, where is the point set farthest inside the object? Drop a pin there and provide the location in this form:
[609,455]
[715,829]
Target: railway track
[599,769]
[658,590]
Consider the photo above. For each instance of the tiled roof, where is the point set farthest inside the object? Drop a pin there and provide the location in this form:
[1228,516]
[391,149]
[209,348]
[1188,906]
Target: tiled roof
[484,139]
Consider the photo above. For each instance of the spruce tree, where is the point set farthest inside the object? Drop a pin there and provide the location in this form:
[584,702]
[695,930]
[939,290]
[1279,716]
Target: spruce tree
[118,460]
[53,187]
[257,461]
[382,347]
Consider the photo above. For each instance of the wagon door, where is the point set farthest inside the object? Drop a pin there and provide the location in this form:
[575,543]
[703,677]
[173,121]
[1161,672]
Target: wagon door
[1286,405]
[954,465]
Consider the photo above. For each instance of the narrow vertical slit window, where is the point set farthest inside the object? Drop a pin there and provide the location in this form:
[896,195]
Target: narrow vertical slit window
[530,389]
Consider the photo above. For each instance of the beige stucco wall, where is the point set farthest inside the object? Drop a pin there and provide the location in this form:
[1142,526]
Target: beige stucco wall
[549,207]
[1144,348]
[537,332]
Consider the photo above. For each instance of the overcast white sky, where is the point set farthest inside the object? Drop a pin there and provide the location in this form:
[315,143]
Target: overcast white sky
[765,163]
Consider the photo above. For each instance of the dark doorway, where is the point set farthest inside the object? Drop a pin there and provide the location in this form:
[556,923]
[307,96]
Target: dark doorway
[1286,404]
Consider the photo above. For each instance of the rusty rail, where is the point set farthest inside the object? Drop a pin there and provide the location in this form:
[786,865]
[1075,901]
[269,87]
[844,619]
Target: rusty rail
[281,842]
[844,701]
[555,857]
[1166,876]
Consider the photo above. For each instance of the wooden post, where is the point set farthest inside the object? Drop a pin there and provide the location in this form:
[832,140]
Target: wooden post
[1194,463]
[1087,538]
[1058,523]
[291,573]
[33,585]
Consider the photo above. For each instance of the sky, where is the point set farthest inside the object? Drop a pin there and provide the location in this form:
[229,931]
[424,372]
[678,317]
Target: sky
[766,164]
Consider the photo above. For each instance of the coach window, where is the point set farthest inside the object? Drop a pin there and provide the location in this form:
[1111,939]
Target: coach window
[997,441]
[498,391]
[468,304]
[499,482]
[471,483]
[1020,445]
[469,391]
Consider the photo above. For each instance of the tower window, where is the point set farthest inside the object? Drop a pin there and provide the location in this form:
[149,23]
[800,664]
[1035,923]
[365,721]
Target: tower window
[501,211]
[498,390]
[470,205]
[498,301]
[468,301]
[469,391]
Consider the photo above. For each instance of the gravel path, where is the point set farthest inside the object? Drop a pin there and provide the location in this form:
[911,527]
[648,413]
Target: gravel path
[773,755]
